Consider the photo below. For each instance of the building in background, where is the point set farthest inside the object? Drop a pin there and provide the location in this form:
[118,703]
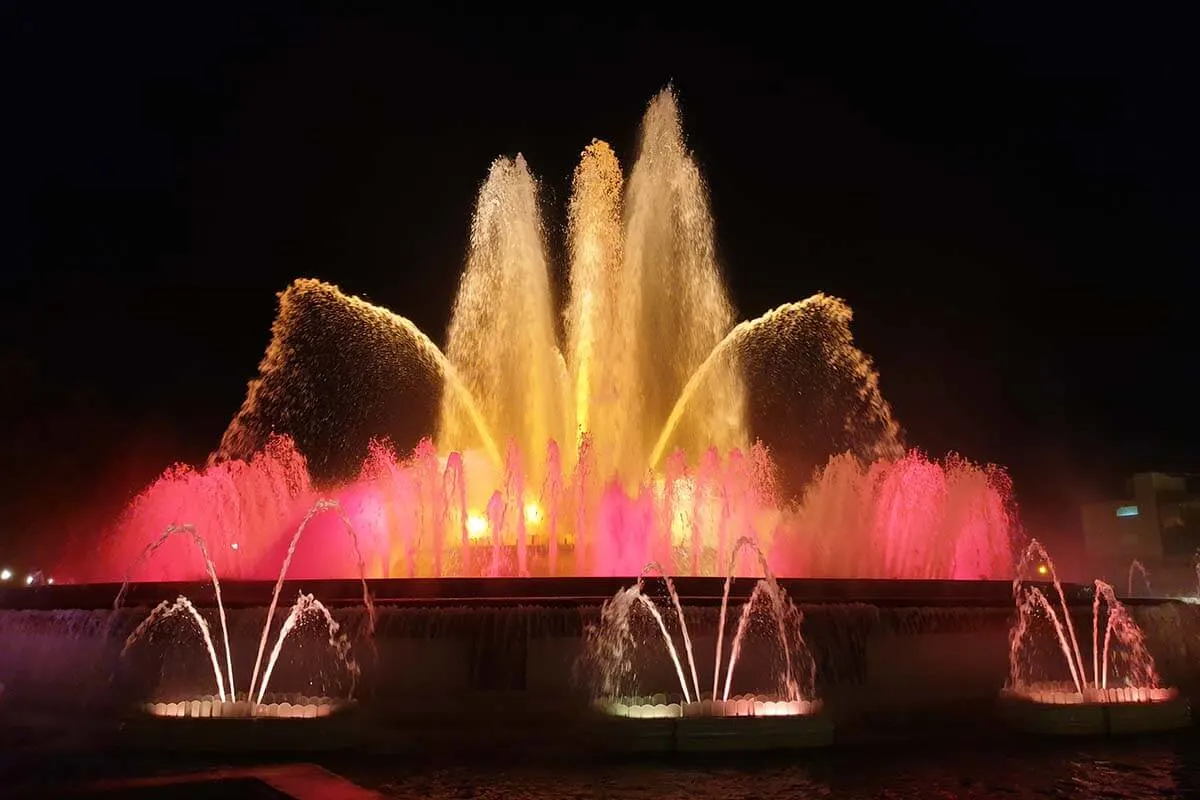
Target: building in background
[1157,523]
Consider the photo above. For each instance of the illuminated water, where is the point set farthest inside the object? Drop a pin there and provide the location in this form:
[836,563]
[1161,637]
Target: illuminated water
[623,439]
[1119,656]
[618,643]
[306,606]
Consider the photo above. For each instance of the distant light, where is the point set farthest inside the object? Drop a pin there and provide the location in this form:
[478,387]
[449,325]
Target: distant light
[1043,569]
[234,545]
[50,581]
[533,513]
[28,580]
[477,526]
[1127,511]
[5,574]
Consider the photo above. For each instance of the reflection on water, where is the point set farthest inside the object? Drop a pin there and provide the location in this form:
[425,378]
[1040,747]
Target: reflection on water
[1158,769]
[1153,768]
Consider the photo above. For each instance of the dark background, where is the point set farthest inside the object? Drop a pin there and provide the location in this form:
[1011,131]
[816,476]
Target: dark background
[1006,198]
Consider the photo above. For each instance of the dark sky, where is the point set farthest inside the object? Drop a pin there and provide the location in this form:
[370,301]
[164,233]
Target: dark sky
[1007,198]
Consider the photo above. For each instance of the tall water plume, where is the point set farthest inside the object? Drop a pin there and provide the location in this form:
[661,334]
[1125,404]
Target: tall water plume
[502,334]
[673,309]
[595,340]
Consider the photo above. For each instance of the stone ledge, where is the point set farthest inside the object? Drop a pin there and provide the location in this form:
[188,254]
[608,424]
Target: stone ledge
[712,734]
[1092,718]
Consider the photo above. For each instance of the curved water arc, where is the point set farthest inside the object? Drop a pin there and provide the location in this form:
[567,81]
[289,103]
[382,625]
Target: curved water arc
[735,336]
[202,545]
[654,566]
[456,384]
[167,609]
[319,507]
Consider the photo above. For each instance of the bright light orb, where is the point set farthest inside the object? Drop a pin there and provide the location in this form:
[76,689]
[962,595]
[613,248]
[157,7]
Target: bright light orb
[5,574]
[477,526]
[533,514]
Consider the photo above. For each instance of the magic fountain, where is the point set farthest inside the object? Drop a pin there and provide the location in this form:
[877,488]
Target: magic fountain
[650,430]
[629,439]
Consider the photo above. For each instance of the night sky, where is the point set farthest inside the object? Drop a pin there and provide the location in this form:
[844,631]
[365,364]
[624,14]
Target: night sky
[1006,198]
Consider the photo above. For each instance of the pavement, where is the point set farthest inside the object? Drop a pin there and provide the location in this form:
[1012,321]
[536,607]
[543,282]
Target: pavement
[280,782]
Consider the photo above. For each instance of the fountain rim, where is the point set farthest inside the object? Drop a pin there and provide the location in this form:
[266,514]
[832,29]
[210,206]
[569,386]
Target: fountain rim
[539,591]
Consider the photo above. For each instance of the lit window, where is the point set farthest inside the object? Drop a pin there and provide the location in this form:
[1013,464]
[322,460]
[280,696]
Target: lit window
[1127,511]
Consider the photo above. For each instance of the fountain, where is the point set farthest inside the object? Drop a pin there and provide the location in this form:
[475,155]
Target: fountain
[554,458]
[613,644]
[627,440]
[1122,692]
[226,702]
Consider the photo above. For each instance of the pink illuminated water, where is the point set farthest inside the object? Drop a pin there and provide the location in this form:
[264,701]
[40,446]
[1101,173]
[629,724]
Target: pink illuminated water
[430,515]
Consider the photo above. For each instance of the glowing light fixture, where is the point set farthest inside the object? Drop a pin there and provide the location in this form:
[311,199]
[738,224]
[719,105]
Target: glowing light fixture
[5,574]
[28,580]
[1127,511]
[533,513]
[477,526]
[234,545]
[1043,569]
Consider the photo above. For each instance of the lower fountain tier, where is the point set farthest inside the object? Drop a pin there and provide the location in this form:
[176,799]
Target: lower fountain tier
[747,725]
[662,706]
[884,671]
[290,706]
[1058,709]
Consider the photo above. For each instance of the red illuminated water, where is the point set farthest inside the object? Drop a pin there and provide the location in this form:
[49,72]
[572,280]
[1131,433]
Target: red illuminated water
[456,515]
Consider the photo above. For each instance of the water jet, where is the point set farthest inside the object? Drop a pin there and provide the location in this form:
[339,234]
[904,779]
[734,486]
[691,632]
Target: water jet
[1122,694]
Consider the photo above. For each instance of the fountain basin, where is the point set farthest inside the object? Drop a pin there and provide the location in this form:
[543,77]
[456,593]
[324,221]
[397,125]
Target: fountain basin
[289,706]
[744,723]
[662,706]
[1059,709]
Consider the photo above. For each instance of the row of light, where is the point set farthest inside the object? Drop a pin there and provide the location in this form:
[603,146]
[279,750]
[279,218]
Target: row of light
[6,574]
[477,528]
[478,525]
